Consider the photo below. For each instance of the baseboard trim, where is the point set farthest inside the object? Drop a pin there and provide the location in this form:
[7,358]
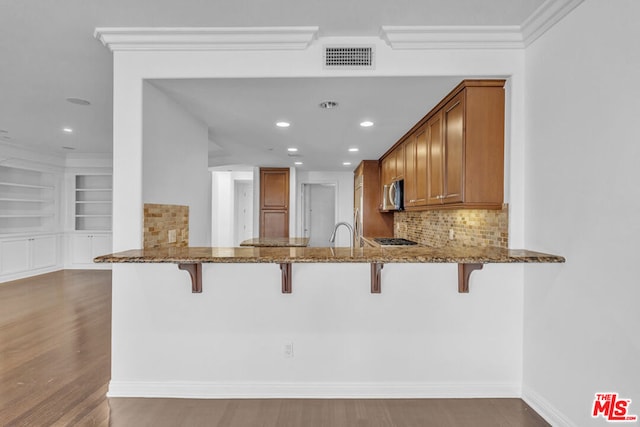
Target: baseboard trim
[545,409]
[203,390]
[29,273]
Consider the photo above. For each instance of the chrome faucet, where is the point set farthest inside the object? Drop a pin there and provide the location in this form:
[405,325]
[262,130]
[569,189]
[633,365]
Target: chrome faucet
[332,239]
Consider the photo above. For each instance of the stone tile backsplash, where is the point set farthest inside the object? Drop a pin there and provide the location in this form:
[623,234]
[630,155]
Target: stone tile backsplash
[471,227]
[159,220]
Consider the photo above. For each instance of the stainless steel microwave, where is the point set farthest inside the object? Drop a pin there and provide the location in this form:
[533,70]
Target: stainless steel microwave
[393,196]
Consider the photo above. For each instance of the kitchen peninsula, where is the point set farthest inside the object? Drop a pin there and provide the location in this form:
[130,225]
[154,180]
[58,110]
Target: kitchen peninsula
[467,258]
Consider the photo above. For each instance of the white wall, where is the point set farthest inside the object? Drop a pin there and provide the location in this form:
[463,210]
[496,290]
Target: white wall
[343,182]
[582,201]
[175,161]
[222,207]
[418,338]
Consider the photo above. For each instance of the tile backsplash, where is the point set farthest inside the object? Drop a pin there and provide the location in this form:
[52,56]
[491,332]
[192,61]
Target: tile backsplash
[471,227]
[159,223]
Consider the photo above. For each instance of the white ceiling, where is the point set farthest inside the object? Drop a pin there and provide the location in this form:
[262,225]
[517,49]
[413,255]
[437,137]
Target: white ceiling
[241,115]
[49,54]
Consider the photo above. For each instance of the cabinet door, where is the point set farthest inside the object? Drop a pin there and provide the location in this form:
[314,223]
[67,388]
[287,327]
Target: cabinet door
[454,150]
[410,171]
[82,249]
[399,154]
[44,251]
[14,256]
[274,186]
[420,168]
[435,160]
[274,223]
[388,169]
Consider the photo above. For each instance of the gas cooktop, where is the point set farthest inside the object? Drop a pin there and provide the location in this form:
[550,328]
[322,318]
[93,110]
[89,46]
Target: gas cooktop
[392,241]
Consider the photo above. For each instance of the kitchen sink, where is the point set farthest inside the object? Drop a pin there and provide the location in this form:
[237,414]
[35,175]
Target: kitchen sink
[392,241]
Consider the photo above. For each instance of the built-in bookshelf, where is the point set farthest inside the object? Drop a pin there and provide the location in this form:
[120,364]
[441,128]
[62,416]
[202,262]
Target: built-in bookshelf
[27,200]
[93,202]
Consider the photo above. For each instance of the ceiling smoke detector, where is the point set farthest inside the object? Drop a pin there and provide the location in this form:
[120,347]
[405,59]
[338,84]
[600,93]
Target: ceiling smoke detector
[327,105]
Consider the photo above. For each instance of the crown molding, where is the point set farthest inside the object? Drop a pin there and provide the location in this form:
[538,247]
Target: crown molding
[544,17]
[480,37]
[452,37]
[215,38]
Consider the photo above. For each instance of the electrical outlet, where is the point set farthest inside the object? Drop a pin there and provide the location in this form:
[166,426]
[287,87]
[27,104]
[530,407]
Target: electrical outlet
[451,234]
[288,350]
[172,236]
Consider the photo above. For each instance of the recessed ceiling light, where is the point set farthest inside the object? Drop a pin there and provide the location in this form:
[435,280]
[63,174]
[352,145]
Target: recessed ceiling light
[346,163]
[78,101]
[297,163]
[327,105]
[283,124]
[67,130]
[366,124]
[354,150]
[292,149]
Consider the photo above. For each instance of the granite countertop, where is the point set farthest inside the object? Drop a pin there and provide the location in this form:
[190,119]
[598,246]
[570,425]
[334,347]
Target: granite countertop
[276,242]
[463,255]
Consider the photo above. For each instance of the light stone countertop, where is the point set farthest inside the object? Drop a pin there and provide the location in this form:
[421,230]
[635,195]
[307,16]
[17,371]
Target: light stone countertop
[421,254]
[276,242]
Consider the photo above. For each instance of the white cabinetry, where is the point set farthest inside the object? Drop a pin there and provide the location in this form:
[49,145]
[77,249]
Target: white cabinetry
[84,247]
[28,255]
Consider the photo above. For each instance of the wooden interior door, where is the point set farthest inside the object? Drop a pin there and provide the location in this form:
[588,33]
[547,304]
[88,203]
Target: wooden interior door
[274,202]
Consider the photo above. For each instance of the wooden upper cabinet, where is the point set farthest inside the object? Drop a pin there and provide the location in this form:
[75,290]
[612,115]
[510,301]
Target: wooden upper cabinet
[484,146]
[415,167]
[387,169]
[459,147]
[453,149]
[392,167]
[435,160]
[274,202]
[399,153]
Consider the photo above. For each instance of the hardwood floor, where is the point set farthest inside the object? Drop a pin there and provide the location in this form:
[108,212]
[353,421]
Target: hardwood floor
[55,363]
[55,349]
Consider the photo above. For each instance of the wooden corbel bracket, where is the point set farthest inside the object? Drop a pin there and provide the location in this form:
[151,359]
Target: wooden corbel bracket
[464,271]
[195,271]
[286,277]
[376,277]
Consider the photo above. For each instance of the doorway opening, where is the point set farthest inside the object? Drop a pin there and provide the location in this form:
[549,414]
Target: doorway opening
[318,212]
[243,210]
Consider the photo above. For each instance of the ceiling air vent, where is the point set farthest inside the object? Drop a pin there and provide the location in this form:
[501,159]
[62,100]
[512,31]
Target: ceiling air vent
[342,57]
